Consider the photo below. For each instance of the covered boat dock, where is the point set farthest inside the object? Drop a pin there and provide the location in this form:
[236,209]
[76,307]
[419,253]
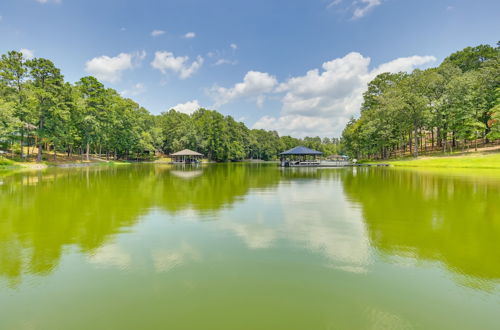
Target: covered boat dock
[300,156]
[186,156]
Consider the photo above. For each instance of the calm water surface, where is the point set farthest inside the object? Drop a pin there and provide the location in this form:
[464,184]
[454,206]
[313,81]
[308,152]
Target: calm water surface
[249,247]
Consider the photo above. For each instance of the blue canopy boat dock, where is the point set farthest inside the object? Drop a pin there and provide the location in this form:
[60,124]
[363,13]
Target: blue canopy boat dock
[299,156]
[305,157]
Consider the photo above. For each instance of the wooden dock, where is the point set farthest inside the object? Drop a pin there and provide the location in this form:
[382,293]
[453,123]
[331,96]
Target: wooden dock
[331,164]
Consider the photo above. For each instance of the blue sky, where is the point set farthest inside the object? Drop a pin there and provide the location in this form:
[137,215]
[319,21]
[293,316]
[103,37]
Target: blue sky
[297,66]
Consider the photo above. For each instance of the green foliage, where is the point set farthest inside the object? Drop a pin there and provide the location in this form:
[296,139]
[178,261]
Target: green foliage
[40,110]
[221,138]
[455,102]
[471,58]
[494,123]
[8,121]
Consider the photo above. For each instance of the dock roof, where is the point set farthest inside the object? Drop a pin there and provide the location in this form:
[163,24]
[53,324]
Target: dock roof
[186,152]
[301,151]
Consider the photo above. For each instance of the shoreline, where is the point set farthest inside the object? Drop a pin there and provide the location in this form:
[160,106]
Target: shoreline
[463,161]
[12,165]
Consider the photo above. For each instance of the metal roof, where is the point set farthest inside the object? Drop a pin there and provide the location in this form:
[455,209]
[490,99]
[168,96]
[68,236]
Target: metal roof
[186,152]
[301,151]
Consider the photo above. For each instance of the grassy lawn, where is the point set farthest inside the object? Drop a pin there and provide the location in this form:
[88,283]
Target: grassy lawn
[486,160]
[6,162]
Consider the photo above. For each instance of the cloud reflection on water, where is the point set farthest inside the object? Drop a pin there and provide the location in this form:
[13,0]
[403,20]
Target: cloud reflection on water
[340,214]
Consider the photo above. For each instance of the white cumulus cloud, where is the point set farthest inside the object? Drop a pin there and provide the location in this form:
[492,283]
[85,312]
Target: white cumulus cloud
[166,61]
[28,54]
[233,46]
[188,107]
[322,101]
[405,64]
[156,33]
[301,126]
[190,35]
[255,84]
[110,69]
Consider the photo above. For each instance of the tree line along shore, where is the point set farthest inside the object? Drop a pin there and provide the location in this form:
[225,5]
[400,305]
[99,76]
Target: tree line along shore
[455,106]
[43,117]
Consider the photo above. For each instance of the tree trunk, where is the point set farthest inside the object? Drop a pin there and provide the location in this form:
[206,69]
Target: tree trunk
[87,152]
[416,143]
[22,143]
[40,143]
[410,143]
[39,156]
[423,142]
[432,139]
[34,145]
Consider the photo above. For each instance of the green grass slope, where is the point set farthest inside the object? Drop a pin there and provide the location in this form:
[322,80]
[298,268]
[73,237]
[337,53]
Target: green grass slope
[487,160]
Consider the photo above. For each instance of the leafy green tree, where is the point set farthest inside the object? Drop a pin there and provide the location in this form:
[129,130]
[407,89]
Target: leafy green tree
[58,127]
[213,130]
[494,123]
[92,109]
[174,126]
[46,84]
[289,142]
[351,136]
[267,144]
[13,75]
[472,58]
[454,103]
[464,108]
[8,122]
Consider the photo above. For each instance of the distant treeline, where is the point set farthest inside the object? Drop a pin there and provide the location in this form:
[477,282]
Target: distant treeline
[222,138]
[39,109]
[452,106]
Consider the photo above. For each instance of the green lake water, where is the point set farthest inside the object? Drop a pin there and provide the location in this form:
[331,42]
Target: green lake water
[241,246]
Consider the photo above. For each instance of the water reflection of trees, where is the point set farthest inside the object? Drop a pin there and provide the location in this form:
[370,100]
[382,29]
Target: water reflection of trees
[41,213]
[220,185]
[454,220]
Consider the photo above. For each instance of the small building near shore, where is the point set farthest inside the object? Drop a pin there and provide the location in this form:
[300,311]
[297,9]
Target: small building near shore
[186,156]
[300,156]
